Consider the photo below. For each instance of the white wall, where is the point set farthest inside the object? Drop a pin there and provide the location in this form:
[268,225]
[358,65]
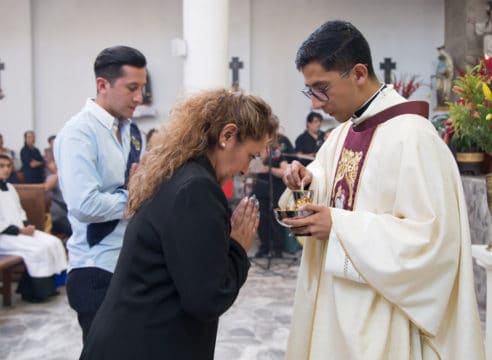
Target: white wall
[69,34]
[265,34]
[240,39]
[16,108]
[406,31]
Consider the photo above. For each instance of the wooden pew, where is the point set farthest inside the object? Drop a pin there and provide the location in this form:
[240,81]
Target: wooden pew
[8,265]
[34,202]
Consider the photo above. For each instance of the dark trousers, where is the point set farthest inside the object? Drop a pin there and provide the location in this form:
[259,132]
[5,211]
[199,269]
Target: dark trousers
[86,288]
[270,232]
[62,226]
[36,289]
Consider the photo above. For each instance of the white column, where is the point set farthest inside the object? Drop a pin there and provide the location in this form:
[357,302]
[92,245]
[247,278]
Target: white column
[206,33]
[483,258]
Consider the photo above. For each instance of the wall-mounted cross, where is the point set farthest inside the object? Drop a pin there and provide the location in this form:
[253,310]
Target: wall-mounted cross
[235,65]
[387,66]
[2,67]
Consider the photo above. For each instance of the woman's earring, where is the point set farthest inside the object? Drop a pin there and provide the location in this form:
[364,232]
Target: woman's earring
[222,145]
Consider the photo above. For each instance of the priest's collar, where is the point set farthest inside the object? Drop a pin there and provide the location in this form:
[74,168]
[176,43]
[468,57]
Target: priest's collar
[357,118]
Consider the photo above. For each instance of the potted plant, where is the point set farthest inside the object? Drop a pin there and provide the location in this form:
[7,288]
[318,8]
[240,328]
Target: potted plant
[469,130]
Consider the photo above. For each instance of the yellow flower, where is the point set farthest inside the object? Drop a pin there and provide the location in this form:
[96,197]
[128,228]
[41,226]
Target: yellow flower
[487,92]
[488,117]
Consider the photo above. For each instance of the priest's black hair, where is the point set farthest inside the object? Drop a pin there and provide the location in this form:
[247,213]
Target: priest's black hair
[337,45]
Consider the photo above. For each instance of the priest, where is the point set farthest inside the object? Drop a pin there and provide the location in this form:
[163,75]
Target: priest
[387,272]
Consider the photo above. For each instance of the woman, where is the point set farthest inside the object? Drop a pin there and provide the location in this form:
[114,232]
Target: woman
[32,160]
[184,257]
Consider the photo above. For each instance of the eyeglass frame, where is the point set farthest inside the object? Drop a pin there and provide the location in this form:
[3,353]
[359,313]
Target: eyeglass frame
[309,92]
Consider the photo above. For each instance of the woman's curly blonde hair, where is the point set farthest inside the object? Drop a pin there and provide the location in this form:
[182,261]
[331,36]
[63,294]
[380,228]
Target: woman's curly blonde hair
[192,131]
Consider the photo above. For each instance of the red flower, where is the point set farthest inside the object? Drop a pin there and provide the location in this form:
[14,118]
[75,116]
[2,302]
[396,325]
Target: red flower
[488,64]
[486,69]
[406,85]
[458,89]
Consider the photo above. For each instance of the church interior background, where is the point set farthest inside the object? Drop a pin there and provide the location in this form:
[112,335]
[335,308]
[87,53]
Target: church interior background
[46,53]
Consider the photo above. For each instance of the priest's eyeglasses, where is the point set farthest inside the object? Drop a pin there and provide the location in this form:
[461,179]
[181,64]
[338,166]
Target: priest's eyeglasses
[321,94]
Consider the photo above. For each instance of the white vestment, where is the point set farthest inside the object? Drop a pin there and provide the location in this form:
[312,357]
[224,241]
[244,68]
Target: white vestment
[404,285]
[43,253]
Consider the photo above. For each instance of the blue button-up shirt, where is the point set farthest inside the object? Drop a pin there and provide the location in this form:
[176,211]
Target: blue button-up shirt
[91,167]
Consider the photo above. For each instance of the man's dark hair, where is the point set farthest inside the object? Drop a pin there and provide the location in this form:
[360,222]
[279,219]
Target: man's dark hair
[6,157]
[109,62]
[51,138]
[313,115]
[337,46]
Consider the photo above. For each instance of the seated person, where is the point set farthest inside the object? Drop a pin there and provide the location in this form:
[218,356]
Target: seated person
[43,254]
[58,207]
[13,179]
[49,159]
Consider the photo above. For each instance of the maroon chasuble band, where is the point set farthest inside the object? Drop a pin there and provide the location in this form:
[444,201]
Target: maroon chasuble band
[355,147]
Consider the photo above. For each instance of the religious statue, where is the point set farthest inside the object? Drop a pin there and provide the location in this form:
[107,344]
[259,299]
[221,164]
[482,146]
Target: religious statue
[444,76]
[147,93]
[484,28]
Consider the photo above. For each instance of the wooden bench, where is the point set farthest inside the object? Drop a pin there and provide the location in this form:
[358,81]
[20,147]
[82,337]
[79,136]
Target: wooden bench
[8,265]
[34,202]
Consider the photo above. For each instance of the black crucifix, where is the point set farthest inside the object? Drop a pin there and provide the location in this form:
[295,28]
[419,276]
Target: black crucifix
[235,65]
[387,66]
[2,67]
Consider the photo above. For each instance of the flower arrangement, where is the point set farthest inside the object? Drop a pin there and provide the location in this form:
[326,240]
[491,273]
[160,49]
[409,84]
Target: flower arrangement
[406,85]
[469,127]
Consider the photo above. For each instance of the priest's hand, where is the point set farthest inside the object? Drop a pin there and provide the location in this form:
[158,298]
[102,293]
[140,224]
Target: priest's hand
[296,175]
[244,223]
[317,224]
[28,230]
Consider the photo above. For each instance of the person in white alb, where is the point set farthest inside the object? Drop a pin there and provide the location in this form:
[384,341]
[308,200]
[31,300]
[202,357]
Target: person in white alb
[387,272]
[43,254]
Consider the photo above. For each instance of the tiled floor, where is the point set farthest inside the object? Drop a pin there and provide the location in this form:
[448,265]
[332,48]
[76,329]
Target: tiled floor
[256,327]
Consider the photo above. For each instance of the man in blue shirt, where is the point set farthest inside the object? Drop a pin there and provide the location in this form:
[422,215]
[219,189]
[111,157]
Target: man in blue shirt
[96,151]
